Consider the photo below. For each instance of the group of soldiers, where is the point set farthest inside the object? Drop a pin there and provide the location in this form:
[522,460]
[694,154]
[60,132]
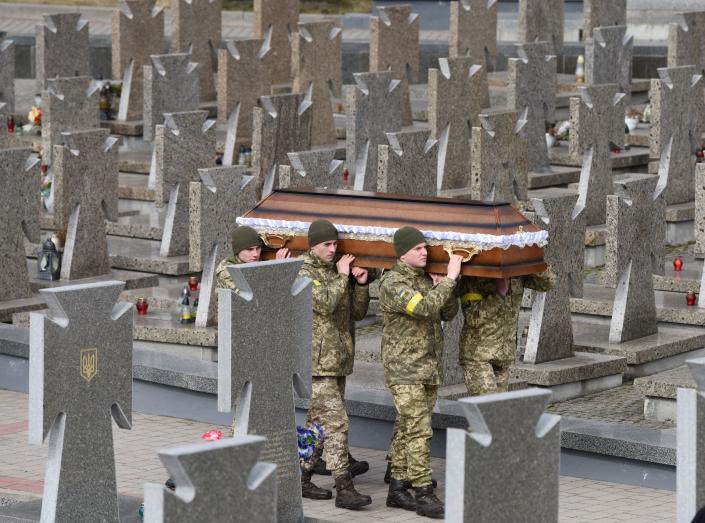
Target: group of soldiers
[414,304]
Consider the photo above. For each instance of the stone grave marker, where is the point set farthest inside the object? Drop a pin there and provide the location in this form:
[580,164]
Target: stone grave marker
[259,360]
[196,29]
[408,164]
[68,104]
[603,13]
[316,168]
[541,21]
[85,194]
[80,378]
[636,231]
[7,74]
[244,74]
[138,32]
[18,177]
[533,84]
[170,85]
[550,329]
[473,31]
[690,450]
[597,121]
[61,47]
[608,58]
[224,477]
[499,168]
[677,102]
[372,108]
[699,209]
[394,46]
[282,124]
[512,436]
[223,194]
[4,135]
[184,144]
[457,92]
[317,62]
[686,40]
[275,20]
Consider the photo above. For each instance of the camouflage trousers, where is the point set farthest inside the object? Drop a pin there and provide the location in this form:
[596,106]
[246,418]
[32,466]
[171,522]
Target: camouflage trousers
[486,377]
[327,408]
[411,450]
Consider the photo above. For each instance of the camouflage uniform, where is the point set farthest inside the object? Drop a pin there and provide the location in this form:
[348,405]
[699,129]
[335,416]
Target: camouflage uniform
[412,346]
[338,301]
[223,278]
[488,341]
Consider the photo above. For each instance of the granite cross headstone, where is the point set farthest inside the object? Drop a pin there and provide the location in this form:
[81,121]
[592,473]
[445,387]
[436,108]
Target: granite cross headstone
[686,41]
[603,13]
[394,47]
[259,359]
[473,31]
[184,144]
[276,20]
[170,85]
[408,164]
[316,168]
[7,74]
[513,437]
[699,210]
[223,194]
[541,21]
[457,92]
[499,169]
[80,376]
[317,55]
[61,47]
[138,31]
[608,58]
[217,481]
[4,135]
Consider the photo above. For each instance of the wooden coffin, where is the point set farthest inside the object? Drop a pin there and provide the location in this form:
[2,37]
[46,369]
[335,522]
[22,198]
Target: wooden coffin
[495,238]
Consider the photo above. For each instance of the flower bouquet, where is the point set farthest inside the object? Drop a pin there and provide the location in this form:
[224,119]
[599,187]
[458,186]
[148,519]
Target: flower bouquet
[310,440]
[35,120]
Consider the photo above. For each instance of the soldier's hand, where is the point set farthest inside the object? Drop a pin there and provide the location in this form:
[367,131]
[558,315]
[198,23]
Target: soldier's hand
[454,266]
[343,264]
[360,275]
[437,278]
[282,254]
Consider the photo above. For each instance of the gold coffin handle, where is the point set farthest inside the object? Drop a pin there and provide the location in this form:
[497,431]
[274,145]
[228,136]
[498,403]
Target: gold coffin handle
[283,239]
[468,254]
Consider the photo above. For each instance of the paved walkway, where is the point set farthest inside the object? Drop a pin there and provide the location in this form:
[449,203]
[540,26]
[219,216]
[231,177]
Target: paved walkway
[22,471]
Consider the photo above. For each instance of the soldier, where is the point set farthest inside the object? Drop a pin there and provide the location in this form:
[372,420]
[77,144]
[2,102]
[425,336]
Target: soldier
[338,301]
[413,305]
[488,342]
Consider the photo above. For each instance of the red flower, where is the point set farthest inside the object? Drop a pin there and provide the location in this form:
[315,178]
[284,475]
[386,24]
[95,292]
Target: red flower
[212,435]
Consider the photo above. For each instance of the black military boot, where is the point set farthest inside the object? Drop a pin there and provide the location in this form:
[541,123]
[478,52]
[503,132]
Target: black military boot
[357,468]
[427,504]
[346,495]
[407,484]
[321,468]
[388,473]
[399,496]
[311,491]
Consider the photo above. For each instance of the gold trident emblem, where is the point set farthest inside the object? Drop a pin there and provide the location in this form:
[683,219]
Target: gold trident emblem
[89,363]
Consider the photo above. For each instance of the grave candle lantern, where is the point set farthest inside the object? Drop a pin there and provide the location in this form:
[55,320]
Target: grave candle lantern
[193,283]
[677,263]
[690,298]
[141,306]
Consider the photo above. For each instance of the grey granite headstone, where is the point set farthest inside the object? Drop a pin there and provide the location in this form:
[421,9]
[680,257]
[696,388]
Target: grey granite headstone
[473,31]
[184,144]
[223,194]
[602,13]
[20,204]
[690,445]
[217,481]
[533,84]
[699,209]
[259,359]
[550,329]
[513,447]
[541,21]
[408,165]
[80,376]
[686,40]
[608,57]
[372,108]
[636,231]
[85,195]
[677,103]
[61,47]
[316,168]
[394,47]
[457,92]
[597,121]
[138,32]
[317,56]
[68,104]
[4,135]
[7,74]
[276,20]
[170,85]
[244,74]
[196,28]
[499,168]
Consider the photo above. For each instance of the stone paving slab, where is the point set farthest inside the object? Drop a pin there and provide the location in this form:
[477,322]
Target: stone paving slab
[665,384]
[582,366]
[632,158]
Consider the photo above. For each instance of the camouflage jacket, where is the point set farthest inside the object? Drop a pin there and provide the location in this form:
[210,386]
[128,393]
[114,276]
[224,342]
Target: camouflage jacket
[338,301]
[223,278]
[490,329]
[412,336]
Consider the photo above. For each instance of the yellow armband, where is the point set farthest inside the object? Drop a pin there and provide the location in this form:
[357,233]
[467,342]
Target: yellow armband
[470,296]
[413,302]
